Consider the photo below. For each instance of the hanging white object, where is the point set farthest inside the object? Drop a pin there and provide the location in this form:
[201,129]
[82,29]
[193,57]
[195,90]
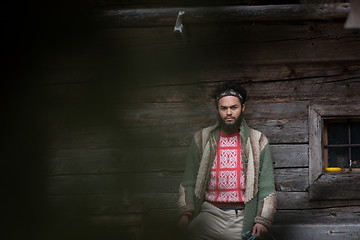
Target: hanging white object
[179,27]
[353,19]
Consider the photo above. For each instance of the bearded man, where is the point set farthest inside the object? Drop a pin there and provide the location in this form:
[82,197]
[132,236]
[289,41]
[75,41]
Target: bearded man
[228,185]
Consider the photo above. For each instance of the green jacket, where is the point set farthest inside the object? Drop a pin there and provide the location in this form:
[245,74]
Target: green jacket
[260,194]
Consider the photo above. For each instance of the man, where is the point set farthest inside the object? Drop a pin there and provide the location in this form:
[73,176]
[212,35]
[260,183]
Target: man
[228,185]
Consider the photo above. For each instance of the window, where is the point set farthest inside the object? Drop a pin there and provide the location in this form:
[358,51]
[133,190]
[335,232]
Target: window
[334,140]
[342,143]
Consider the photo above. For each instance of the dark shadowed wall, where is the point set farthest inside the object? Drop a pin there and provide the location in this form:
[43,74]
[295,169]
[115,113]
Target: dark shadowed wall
[97,118]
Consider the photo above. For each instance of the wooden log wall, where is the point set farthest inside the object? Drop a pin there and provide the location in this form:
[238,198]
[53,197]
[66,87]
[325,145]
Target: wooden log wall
[114,110]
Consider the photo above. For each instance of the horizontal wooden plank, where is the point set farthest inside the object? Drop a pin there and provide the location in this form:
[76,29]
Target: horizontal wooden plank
[154,114]
[151,114]
[291,179]
[167,16]
[219,71]
[84,137]
[349,231]
[282,131]
[154,182]
[241,33]
[119,160]
[160,3]
[80,161]
[121,137]
[276,110]
[86,184]
[332,110]
[317,71]
[72,226]
[113,203]
[290,155]
[170,159]
[178,135]
[292,200]
[121,220]
[297,90]
[300,200]
[317,216]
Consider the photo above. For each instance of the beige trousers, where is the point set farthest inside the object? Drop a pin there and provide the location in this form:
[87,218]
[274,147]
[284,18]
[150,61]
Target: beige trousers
[213,223]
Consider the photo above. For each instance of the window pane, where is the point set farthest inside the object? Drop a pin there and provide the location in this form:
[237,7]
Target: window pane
[338,157]
[355,132]
[355,155]
[337,133]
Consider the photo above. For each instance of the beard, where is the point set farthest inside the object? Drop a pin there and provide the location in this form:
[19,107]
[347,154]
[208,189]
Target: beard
[230,127]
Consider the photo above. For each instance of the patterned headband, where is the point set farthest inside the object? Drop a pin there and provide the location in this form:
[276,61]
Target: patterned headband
[230,92]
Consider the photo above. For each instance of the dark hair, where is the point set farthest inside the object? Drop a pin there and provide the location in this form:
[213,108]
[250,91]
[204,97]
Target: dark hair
[226,86]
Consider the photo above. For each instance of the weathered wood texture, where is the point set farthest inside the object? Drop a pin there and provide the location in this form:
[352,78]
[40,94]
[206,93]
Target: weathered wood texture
[336,186]
[318,231]
[167,16]
[176,3]
[343,186]
[118,121]
[315,143]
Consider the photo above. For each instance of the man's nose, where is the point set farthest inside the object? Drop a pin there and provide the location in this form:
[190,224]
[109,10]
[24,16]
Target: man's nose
[228,111]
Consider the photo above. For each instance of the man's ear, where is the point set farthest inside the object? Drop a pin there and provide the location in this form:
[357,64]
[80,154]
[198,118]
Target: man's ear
[243,107]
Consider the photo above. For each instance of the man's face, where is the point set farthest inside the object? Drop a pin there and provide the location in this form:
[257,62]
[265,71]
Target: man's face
[230,110]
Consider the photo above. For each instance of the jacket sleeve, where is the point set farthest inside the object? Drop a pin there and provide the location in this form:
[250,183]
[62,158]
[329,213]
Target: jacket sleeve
[267,194]
[187,186]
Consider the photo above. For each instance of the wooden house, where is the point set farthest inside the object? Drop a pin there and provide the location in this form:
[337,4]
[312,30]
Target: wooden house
[100,104]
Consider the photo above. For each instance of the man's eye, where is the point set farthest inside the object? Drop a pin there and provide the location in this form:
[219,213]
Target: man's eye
[234,107]
[223,108]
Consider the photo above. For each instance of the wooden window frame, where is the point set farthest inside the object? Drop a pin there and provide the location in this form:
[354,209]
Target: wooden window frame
[348,121]
[326,185]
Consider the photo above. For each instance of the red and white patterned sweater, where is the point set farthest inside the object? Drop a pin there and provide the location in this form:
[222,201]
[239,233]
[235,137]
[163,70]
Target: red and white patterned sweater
[227,180]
